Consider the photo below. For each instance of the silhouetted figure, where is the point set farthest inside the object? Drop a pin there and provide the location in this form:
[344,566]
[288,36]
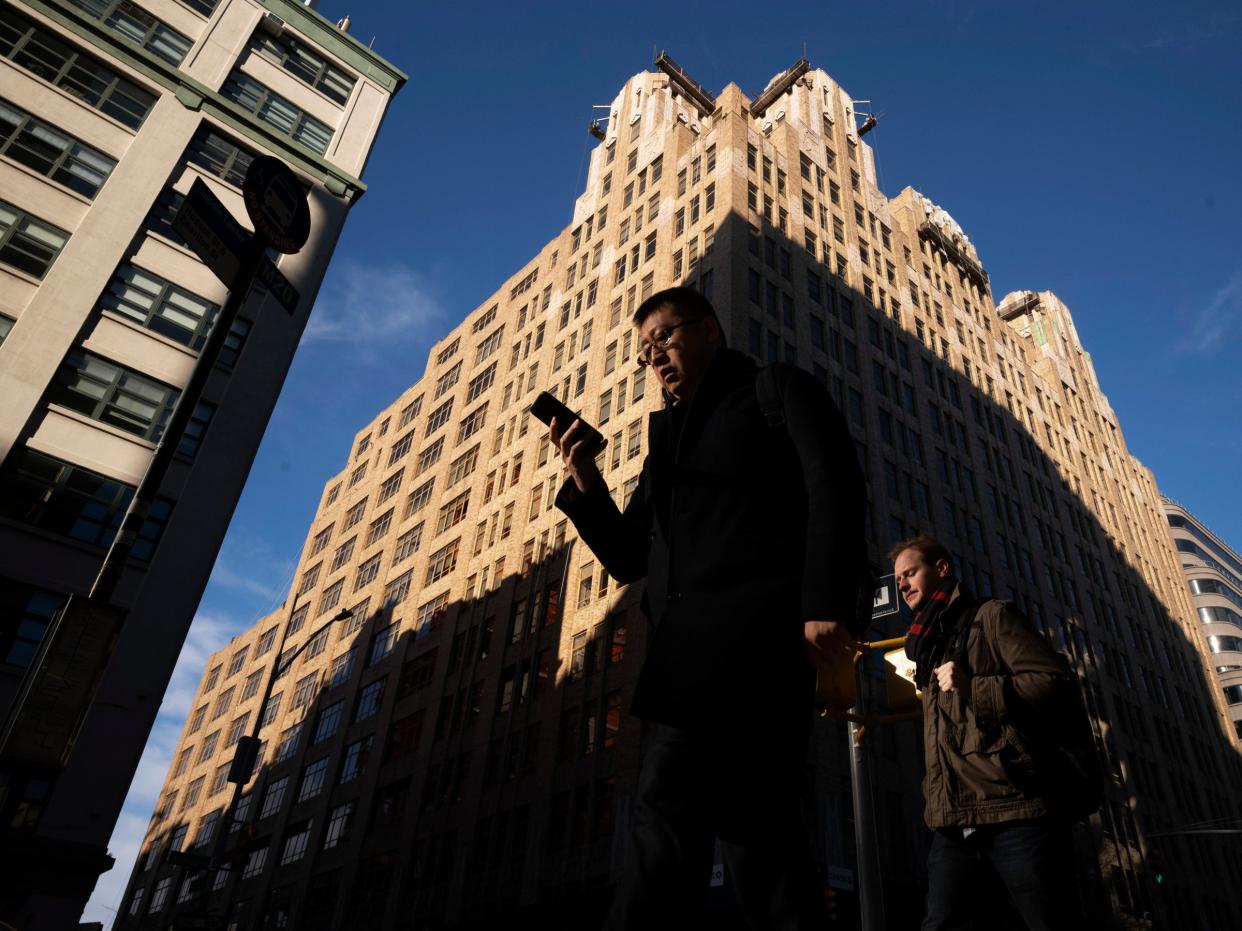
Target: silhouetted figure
[749,531]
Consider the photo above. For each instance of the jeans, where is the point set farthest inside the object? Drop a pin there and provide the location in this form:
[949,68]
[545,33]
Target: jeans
[1034,859]
[694,787]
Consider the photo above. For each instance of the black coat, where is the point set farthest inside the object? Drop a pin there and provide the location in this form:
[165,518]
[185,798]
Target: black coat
[743,531]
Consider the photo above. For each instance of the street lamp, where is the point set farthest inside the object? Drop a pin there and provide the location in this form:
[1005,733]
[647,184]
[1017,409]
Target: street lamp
[247,752]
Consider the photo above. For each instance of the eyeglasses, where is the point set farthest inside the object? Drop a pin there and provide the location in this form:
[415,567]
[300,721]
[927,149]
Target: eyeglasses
[661,340]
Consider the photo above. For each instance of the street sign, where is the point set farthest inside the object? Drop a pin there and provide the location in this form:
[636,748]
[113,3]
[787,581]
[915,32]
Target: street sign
[210,230]
[840,878]
[276,203]
[278,285]
[885,600]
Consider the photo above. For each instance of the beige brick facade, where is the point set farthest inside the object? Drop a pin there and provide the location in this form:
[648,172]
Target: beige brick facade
[500,760]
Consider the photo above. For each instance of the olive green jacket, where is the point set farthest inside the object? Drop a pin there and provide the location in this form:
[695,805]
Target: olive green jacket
[978,766]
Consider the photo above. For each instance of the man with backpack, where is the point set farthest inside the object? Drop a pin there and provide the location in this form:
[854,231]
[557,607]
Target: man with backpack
[747,524]
[1010,762]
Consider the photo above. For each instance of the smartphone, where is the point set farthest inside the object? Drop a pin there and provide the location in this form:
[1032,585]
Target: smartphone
[545,407]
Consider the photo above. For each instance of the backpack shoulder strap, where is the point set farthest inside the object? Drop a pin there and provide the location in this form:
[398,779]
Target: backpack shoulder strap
[771,397]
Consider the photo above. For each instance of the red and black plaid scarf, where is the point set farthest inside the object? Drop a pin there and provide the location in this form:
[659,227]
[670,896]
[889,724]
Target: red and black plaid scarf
[930,631]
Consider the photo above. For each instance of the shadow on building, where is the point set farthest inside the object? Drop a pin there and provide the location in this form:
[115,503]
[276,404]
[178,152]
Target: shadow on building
[480,770]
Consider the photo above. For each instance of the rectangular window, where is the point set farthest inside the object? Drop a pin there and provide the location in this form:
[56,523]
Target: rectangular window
[277,112]
[304,65]
[418,498]
[438,418]
[339,820]
[27,243]
[52,153]
[67,499]
[397,589]
[329,721]
[47,55]
[157,304]
[273,797]
[113,395]
[367,572]
[369,700]
[472,423]
[429,456]
[407,544]
[379,527]
[133,23]
[442,561]
[481,382]
[453,513]
[296,839]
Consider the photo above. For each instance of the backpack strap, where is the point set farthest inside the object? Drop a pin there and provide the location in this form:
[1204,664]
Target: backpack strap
[771,398]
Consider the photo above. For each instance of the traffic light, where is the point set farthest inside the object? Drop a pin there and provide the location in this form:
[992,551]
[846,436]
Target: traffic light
[830,903]
[242,846]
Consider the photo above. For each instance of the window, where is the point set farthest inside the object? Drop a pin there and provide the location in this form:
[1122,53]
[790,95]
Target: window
[472,423]
[430,614]
[329,721]
[369,700]
[481,383]
[277,112]
[52,153]
[254,863]
[113,395]
[396,590]
[407,544]
[341,668]
[296,839]
[462,466]
[273,796]
[382,642]
[338,823]
[429,456]
[157,304]
[26,243]
[25,613]
[45,54]
[354,762]
[304,65]
[132,22]
[66,499]
[379,527]
[438,418]
[453,513]
[442,561]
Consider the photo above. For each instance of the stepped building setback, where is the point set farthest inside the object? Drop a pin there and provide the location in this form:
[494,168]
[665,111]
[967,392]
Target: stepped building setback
[459,752]
[109,111]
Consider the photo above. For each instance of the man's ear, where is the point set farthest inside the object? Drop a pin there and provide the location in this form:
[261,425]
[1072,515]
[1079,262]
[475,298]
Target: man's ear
[943,569]
[715,336]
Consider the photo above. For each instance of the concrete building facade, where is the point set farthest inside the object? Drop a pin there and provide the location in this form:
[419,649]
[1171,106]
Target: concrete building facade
[1214,574]
[460,752]
[109,111]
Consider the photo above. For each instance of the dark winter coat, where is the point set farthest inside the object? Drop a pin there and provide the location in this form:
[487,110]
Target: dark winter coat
[743,532]
[978,742]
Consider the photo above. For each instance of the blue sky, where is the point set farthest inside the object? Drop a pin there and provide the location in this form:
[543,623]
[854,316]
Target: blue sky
[1086,148]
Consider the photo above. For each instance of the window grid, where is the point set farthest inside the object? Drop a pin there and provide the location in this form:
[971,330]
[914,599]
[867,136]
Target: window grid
[54,154]
[277,112]
[27,243]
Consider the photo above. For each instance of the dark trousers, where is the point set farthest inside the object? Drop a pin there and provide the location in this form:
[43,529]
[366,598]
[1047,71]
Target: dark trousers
[745,788]
[1035,861]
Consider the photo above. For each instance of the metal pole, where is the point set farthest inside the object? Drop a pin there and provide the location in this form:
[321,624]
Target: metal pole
[278,669]
[870,903]
[161,460]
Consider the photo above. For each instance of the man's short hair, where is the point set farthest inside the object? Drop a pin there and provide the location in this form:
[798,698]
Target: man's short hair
[928,547]
[686,301]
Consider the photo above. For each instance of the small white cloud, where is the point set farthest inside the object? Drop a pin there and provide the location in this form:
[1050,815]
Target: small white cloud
[207,634]
[372,306]
[1219,322]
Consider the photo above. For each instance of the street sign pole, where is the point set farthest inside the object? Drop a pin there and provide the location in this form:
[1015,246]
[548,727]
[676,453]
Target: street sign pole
[870,901]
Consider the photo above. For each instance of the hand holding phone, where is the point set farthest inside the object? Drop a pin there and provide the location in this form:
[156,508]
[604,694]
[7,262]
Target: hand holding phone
[577,441]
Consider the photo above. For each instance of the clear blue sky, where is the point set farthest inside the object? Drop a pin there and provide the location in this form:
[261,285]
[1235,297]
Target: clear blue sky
[1091,149]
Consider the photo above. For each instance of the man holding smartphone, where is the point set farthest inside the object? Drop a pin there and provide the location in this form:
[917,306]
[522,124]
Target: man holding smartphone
[749,531]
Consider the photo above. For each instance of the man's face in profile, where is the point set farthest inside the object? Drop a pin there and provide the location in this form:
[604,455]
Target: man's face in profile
[917,578]
[678,349]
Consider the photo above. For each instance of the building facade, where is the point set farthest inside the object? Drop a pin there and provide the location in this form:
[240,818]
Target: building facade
[459,754]
[1214,573]
[109,111]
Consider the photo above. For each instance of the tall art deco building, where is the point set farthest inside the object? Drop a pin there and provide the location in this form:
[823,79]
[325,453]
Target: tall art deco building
[459,751]
[110,110]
